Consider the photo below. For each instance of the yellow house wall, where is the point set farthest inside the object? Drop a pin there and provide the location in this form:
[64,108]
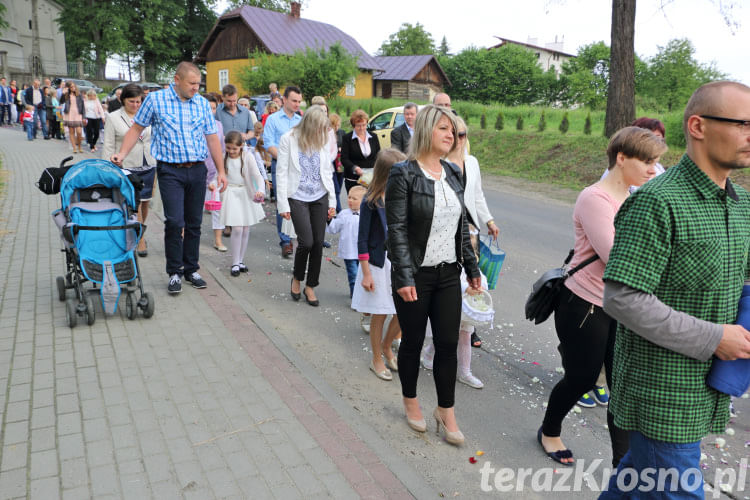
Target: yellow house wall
[362,87]
[362,82]
[233,65]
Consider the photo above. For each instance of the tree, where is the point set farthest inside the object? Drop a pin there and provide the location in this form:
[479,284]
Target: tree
[587,125]
[542,122]
[509,75]
[197,23]
[673,74]
[4,23]
[443,50]
[519,123]
[500,121]
[94,32]
[154,35]
[621,89]
[320,72]
[277,5]
[483,121]
[408,41]
[587,76]
[564,124]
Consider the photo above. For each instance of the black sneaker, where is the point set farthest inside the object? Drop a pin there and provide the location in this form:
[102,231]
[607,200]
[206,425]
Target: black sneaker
[175,284]
[195,280]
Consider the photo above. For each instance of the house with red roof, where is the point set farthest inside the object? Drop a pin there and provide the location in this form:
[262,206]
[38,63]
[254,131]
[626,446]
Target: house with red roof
[245,29]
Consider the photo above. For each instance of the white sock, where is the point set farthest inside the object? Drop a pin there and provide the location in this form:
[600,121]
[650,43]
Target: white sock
[464,353]
[235,244]
[245,240]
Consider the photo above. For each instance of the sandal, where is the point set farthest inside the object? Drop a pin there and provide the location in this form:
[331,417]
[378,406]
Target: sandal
[475,340]
[557,456]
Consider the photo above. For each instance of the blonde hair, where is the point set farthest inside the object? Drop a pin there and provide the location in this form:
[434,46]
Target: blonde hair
[271,107]
[335,121]
[318,100]
[361,190]
[90,93]
[427,120]
[312,131]
[383,163]
[635,142]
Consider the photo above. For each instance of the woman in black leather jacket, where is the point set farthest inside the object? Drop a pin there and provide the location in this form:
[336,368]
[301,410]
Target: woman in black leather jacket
[428,243]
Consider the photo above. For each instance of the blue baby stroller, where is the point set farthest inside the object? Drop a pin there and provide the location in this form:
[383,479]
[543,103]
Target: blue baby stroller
[99,231]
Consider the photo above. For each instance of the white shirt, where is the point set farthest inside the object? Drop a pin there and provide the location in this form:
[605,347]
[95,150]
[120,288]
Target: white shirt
[347,224]
[311,186]
[441,244]
[364,146]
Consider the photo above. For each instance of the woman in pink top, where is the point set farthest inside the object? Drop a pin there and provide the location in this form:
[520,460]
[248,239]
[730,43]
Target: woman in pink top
[586,332]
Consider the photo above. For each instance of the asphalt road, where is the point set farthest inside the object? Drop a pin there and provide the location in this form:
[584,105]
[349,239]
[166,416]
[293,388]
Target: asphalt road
[517,363]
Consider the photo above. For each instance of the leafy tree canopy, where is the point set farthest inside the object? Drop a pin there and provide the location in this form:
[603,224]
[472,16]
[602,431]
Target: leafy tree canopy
[673,74]
[277,5]
[317,72]
[443,50]
[508,74]
[408,41]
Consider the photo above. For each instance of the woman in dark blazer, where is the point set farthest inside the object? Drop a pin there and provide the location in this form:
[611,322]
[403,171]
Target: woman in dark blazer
[428,244]
[358,149]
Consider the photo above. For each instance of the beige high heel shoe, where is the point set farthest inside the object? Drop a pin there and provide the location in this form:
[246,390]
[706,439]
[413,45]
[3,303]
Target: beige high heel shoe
[455,438]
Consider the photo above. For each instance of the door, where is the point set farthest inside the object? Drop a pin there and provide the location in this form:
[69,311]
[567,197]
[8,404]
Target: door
[387,90]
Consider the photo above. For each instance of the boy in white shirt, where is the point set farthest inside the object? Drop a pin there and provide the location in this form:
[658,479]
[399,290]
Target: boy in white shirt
[347,223]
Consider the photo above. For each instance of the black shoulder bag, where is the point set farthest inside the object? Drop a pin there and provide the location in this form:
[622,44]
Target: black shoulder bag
[545,292]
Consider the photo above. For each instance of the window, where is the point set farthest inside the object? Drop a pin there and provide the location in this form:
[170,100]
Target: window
[350,87]
[223,78]
[399,120]
[381,121]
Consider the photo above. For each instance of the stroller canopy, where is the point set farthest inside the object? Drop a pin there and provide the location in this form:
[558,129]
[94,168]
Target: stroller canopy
[87,173]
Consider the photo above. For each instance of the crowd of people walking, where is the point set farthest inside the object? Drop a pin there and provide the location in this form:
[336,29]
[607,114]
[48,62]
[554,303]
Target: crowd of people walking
[662,254]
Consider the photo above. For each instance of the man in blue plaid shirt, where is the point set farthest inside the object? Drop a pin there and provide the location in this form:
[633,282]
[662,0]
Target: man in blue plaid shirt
[183,132]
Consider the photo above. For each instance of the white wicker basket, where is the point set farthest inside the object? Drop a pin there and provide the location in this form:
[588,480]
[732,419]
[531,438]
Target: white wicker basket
[477,309]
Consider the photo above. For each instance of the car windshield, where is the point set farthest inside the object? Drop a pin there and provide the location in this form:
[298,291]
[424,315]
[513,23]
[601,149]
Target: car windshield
[381,121]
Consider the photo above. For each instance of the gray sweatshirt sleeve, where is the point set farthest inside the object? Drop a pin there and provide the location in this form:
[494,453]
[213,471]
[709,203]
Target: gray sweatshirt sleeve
[658,323]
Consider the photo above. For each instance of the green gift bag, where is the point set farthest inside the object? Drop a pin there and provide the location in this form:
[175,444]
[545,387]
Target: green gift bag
[491,259]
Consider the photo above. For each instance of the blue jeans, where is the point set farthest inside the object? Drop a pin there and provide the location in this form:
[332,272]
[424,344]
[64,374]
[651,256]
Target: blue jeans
[649,459]
[5,108]
[29,126]
[352,265]
[41,115]
[183,191]
[283,238]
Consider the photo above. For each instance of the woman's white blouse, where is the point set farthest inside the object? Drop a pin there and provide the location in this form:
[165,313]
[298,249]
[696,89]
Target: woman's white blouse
[441,244]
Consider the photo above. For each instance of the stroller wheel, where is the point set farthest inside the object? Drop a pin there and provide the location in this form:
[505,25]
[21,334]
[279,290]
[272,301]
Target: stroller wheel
[60,288]
[148,308]
[130,310]
[90,312]
[71,313]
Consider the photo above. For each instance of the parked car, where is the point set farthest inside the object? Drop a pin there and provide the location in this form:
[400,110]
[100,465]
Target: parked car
[146,85]
[83,85]
[258,103]
[384,121]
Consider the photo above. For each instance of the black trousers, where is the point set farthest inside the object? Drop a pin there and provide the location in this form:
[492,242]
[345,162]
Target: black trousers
[92,131]
[54,126]
[309,219]
[587,339]
[439,299]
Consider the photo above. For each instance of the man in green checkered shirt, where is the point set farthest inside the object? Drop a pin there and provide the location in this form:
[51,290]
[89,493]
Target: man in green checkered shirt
[673,282]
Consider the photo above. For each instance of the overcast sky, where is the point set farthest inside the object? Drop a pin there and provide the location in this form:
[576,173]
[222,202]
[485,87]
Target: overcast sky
[578,22]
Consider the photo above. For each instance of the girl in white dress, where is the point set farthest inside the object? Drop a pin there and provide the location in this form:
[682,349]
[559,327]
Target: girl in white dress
[240,204]
[372,289]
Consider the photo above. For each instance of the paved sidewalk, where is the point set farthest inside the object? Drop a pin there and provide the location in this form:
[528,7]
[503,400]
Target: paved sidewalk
[197,402]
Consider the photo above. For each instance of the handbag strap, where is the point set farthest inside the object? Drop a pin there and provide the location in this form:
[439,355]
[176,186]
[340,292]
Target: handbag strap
[581,265]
